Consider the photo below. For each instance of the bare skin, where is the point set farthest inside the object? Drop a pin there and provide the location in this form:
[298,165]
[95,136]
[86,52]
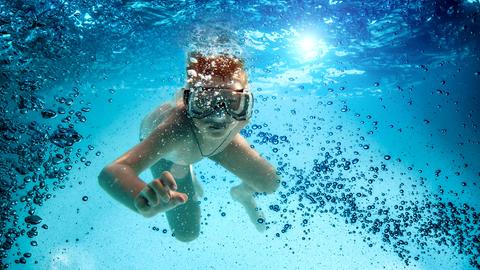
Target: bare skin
[171,147]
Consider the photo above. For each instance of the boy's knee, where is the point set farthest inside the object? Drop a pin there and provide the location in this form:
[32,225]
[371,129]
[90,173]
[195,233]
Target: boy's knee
[186,236]
[184,220]
[270,186]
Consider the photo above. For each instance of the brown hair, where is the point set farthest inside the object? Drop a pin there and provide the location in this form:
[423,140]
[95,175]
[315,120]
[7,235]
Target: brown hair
[222,65]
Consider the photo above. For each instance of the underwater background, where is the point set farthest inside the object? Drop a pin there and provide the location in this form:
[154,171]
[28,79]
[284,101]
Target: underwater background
[368,109]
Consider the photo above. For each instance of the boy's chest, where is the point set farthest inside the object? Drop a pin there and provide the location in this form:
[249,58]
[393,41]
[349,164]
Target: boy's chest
[186,154]
[191,152]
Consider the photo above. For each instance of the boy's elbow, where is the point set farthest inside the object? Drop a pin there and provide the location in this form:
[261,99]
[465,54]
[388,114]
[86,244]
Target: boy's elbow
[105,176]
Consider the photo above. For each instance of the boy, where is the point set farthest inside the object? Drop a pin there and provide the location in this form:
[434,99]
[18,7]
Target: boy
[204,122]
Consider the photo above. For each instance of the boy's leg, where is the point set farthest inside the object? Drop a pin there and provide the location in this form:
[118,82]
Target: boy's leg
[244,195]
[184,220]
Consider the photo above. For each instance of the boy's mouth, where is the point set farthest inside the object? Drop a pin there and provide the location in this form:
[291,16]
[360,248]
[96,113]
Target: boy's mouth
[217,127]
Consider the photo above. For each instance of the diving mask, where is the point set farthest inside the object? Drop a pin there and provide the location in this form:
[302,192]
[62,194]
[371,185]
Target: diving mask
[204,101]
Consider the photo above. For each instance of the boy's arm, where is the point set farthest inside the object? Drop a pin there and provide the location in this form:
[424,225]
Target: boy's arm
[246,163]
[120,178]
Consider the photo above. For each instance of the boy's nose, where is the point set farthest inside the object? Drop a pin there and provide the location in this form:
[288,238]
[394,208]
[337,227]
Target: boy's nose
[220,116]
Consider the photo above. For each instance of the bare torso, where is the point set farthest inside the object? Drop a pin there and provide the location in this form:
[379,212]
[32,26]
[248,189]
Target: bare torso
[188,143]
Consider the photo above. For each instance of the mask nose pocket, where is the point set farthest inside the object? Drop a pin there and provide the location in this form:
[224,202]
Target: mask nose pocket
[219,113]
[220,116]
[221,104]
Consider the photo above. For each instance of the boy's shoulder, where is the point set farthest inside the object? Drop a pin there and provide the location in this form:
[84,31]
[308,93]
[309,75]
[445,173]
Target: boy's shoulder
[177,119]
[169,115]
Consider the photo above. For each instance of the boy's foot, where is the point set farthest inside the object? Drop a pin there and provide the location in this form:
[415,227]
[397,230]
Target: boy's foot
[243,195]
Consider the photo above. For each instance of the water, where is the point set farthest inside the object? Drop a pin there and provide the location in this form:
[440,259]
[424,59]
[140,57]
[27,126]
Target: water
[369,110]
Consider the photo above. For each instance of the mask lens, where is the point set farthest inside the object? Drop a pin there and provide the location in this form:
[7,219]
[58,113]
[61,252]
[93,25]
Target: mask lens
[200,104]
[240,105]
[203,102]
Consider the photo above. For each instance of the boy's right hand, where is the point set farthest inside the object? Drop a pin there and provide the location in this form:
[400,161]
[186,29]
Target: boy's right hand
[159,195]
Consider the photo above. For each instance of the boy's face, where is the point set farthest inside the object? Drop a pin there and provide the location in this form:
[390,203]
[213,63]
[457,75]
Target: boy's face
[220,123]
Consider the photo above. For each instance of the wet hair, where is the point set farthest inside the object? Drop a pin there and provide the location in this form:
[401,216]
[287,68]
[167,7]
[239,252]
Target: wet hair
[202,67]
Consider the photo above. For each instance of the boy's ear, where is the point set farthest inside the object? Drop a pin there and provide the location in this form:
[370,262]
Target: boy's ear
[186,94]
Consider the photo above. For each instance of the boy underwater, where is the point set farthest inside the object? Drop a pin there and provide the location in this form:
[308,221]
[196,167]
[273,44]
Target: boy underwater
[204,121]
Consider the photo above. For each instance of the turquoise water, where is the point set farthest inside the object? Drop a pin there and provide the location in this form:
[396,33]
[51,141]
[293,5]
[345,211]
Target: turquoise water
[369,111]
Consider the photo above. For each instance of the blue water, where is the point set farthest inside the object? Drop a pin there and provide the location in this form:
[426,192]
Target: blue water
[368,109]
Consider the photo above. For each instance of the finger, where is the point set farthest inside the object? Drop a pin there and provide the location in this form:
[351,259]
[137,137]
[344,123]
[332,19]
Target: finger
[162,192]
[178,197]
[168,179]
[149,195]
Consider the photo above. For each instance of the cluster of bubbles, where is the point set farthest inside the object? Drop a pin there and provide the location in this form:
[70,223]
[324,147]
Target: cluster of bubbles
[39,137]
[214,39]
[411,227]
[36,160]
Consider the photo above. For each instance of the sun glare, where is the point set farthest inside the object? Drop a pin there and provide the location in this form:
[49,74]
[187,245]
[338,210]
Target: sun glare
[311,48]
